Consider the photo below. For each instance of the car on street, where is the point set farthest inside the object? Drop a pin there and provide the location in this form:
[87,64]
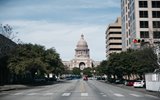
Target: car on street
[139,83]
[85,78]
[129,82]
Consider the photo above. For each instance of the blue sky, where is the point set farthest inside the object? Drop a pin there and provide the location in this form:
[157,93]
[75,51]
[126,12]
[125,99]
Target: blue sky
[60,23]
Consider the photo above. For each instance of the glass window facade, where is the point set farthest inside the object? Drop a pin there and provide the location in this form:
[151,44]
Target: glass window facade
[155,4]
[156,34]
[143,4]
[143,14]
[143,24]
[156,14]
[156,24]
[144,34]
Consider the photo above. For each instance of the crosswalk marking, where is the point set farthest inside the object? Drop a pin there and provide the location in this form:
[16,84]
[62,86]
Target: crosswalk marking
[66,94]
[32,94]
[135,95]
[84,94]
[104,95]
[18,94]
[47,94]
[118,95]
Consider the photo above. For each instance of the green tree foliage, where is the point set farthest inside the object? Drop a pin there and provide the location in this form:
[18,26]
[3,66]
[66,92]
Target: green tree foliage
[102,68]
[131,62]
[76,71]
[87,71]
[145,61]
[27,57]
[34,60]
[54,63]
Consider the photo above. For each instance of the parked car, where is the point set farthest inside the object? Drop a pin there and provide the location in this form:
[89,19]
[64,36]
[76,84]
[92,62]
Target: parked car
[129,82]
[139,83]
[119,81]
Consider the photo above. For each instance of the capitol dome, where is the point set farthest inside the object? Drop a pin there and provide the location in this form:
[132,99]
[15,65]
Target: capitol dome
[82,44]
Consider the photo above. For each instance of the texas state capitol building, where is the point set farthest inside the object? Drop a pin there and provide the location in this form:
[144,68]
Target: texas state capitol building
[82,57]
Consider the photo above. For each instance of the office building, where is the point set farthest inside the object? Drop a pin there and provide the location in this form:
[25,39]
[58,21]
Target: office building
[114,38]
[140,23]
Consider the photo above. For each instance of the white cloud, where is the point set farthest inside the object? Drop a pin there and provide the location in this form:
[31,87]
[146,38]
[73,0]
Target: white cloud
[59,23]
[62,36]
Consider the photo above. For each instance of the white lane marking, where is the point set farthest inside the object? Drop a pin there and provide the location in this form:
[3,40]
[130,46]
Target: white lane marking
[17,94]
[135,95]
[151,96]
[33,90]
[32,94]
[104,95]
[47,94]
[66,94]
[84,94]
[118,95]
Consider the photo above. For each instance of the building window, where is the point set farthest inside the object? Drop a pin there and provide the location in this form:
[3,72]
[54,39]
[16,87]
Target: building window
[156,14]
[126,17]
[126,9]
[156,34]
[114,32]
[130,40]
[143,14]
[126,25]
[115,43]
[143,4]
[155,4]
[156,24]
[144,34]
[115,38]
[143,24]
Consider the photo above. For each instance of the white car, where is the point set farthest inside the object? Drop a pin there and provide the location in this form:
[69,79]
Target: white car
[139,83]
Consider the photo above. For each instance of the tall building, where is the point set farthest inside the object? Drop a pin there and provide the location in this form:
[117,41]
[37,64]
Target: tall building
[114,38]
[82,56]
[140,22]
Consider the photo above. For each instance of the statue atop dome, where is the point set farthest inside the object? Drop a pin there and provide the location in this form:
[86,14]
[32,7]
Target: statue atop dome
[82,36]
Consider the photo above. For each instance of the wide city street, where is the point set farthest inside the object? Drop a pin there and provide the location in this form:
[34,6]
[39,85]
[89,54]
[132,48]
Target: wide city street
[76,90]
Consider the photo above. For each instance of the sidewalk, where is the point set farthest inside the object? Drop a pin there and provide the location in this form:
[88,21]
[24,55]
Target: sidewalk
[12,87]
[21,86]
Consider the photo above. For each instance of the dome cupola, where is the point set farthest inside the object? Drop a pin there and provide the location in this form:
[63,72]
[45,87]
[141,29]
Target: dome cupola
[82,44]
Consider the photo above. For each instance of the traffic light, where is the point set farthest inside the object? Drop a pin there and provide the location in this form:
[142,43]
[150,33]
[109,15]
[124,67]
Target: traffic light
[138,41]
[135,41]
[142,41]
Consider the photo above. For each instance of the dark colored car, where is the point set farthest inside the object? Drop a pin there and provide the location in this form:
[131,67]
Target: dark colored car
[119,81]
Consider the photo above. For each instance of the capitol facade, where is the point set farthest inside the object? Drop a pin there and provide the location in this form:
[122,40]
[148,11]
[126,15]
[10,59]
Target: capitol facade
[82,57]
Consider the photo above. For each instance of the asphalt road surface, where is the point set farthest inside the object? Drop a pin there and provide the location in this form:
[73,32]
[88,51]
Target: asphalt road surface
[76,90]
